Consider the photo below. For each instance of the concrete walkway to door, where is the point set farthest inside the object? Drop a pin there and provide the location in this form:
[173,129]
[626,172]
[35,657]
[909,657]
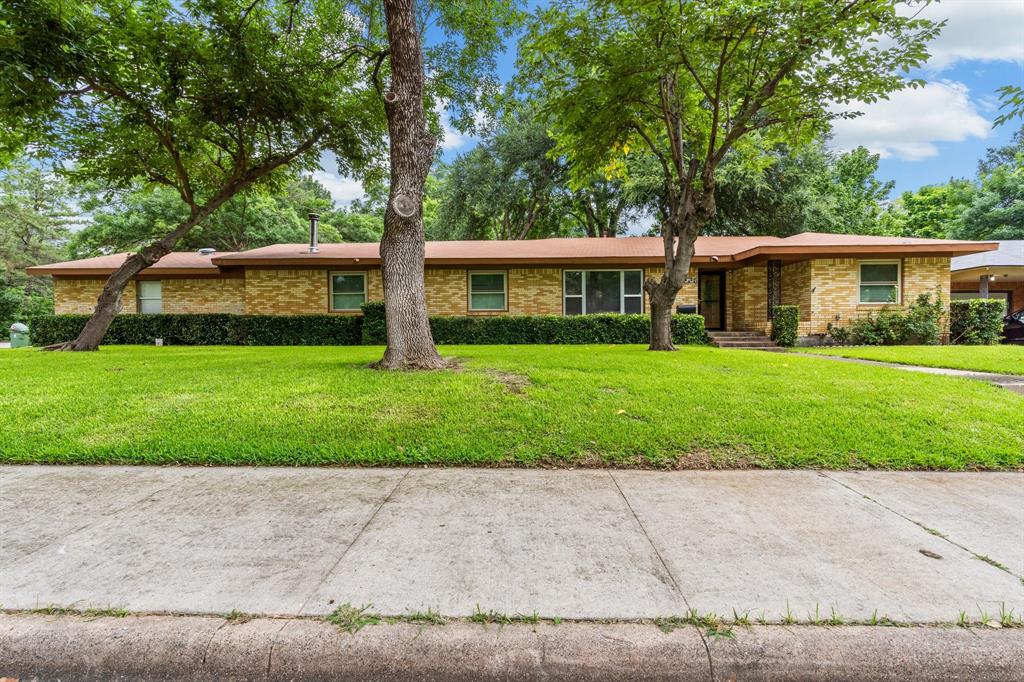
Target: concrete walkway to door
[585,544]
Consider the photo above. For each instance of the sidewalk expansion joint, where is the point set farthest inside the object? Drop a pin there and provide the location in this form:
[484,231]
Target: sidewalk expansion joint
[927,529]
[668,572]
[352,544]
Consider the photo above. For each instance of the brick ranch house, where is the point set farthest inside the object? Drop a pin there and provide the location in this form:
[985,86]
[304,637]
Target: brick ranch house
[733,282]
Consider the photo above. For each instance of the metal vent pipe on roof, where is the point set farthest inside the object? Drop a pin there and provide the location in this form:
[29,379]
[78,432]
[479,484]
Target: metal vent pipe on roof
[314,233]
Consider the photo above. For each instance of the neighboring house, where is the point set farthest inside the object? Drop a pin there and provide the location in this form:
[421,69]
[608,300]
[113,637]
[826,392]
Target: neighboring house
[734,281]
[992,274]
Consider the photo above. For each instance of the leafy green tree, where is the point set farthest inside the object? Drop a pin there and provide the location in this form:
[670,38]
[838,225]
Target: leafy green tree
[246,221]
[694,81]
[507,187]
[793,190]
[997,210]
[37,211]
[1012,98]
[512,186]
[849,196]
[206,97]
[989,207]
[932,212]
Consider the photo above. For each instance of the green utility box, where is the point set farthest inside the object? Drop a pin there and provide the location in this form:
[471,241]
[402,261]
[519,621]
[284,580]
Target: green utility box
[19,336]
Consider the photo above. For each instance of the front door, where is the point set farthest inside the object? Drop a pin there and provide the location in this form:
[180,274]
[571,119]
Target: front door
[711,296]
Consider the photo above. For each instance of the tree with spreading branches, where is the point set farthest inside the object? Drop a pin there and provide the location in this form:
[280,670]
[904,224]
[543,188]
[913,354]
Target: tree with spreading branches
[210,98]
[695,81]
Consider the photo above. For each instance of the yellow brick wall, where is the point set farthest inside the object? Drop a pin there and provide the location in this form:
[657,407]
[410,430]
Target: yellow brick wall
[835,283]
[298,291]
[78,296]
[687,294]
[203,295]
[535,291]
[796,287]
[746,299]
[446,291]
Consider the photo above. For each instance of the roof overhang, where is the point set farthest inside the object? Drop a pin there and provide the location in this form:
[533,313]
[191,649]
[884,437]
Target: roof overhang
[1001,273]
[148,273]
[831,251]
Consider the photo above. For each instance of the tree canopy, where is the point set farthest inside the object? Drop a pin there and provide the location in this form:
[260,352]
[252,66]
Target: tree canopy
[208,98]
[692,82]
[37,212]
[989,206]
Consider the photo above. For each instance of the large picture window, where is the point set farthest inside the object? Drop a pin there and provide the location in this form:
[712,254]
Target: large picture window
[487,291]
[348,291]
[879,282]
[588,292]
[149,294]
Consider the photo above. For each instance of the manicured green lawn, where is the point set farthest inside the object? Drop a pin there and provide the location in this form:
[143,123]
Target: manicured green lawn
[998,359]
[515,405]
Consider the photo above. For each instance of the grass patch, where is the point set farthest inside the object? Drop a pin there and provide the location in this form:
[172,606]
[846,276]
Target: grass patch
[352,619]
[617,406]
[108,612]
[1006,359]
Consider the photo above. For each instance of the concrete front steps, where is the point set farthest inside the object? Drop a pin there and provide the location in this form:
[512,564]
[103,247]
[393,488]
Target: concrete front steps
[743,340]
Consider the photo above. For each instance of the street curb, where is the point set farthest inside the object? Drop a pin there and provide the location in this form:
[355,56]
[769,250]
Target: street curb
[37,647]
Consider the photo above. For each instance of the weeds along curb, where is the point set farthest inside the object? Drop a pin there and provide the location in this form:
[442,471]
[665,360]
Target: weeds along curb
[357,645]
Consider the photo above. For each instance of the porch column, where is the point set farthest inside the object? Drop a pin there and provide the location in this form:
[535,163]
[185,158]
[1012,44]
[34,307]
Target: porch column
[774,286]
[983,287]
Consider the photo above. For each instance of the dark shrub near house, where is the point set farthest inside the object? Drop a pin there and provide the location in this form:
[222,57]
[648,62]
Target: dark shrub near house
[375,328]
[785,323]
[208,330]
[976,322]
[370,329]
[920,324]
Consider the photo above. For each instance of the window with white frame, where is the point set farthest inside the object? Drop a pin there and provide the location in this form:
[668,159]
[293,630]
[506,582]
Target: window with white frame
[348,291]
[588,292]
[149,295]
[488,291]
[879,282]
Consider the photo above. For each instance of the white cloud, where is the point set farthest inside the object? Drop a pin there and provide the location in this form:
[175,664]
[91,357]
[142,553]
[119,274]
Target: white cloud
[910,123]
[452,139]
[983,30]
[343,190]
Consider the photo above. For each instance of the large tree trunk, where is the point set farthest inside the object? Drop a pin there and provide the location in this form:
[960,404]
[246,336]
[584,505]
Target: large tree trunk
[661,294]
[410,344]
[661,297]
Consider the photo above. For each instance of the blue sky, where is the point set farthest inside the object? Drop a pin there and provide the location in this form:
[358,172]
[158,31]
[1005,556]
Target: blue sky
[924,136]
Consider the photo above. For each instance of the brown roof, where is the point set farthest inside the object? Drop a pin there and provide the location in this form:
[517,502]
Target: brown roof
[605,250]
[579,251]
[177,263]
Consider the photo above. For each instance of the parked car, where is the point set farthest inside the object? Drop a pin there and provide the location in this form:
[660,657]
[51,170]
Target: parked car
[1013,327]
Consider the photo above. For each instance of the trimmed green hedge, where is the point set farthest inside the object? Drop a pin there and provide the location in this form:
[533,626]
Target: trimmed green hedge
[375,327]
[785,323]
[208,330]
[333,330]
[544,329]
[976,322]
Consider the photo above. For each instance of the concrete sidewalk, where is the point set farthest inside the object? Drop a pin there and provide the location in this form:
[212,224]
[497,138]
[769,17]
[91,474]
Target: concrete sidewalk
[1011,382]
[585,544]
